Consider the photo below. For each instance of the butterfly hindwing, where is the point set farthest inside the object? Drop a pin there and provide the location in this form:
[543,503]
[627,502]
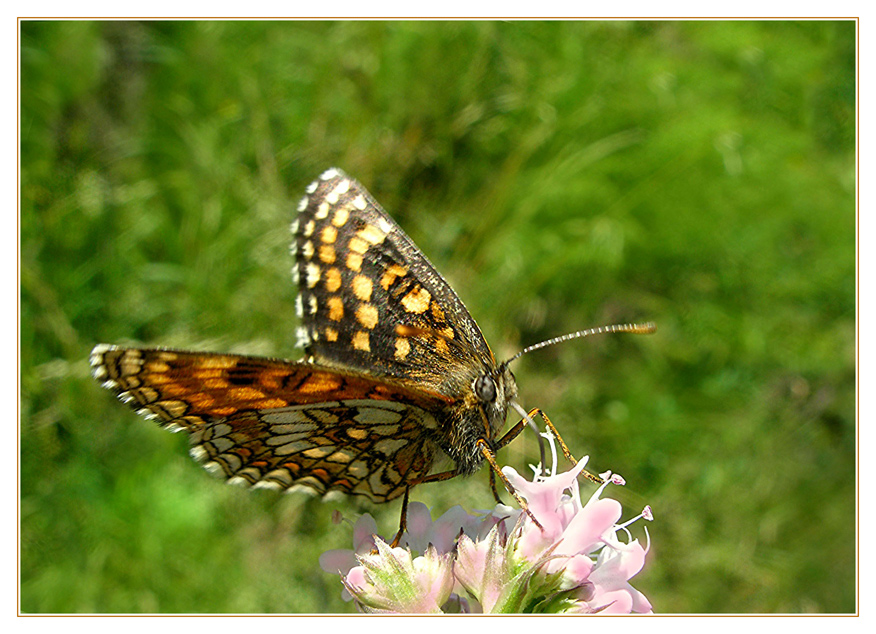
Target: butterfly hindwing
[281,424]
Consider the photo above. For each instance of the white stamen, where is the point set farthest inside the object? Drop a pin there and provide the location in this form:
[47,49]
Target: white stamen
[645,514]
[547,435]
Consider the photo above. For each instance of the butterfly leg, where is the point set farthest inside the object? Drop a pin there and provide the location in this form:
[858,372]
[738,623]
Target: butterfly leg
[512,433]
[491,458]
[403,520]
[493,487]
[495,470]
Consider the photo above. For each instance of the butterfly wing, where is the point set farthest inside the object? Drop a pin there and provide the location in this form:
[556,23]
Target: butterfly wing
[368,297]
[280,424]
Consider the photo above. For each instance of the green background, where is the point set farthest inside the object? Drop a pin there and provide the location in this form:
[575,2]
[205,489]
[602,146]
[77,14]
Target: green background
[561,175]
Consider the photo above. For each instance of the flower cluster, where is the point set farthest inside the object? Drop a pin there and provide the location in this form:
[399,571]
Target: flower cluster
[502,562]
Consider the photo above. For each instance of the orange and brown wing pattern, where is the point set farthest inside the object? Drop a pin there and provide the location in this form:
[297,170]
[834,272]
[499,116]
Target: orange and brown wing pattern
[369,299]
[371,448]
[280,424]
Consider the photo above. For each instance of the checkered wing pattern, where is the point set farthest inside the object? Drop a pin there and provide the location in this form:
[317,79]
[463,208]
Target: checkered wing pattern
[396,372]
[369,299]
[280,424]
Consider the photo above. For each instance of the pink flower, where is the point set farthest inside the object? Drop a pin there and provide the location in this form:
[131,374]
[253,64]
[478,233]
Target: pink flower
[481,566]
[393,581]
[503,562]
[341,561]
[582,540]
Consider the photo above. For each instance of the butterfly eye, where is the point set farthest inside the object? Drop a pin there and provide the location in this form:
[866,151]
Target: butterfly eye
[485,388]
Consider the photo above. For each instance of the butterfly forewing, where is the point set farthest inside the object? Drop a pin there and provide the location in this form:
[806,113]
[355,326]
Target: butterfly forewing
[281,424]
[368,298]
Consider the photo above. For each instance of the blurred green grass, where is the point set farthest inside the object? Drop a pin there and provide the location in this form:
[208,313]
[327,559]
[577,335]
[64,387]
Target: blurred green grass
[561,175]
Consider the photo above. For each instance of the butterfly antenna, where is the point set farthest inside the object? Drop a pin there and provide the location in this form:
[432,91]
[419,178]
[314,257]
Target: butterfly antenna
[635,329]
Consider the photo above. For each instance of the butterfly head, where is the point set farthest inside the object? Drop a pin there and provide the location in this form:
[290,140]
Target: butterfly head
[494,390]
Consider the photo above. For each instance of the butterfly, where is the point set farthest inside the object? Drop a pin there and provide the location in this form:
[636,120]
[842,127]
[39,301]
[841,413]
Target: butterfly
[396,375]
